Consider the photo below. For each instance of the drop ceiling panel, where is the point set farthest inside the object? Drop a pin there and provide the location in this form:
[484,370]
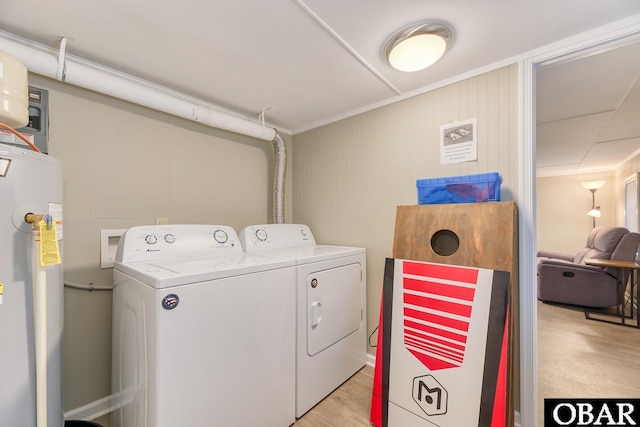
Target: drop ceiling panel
[625,123]
[367,25]
[567,141]
[593,84]
[593,98]
[608,156]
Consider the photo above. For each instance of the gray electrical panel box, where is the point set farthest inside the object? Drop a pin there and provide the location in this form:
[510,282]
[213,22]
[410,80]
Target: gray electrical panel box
[38,125]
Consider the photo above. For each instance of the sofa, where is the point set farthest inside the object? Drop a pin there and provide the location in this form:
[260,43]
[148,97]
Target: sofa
[565,278]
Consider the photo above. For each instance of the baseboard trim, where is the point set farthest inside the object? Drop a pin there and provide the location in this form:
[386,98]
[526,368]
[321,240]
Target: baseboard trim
[516,419]
[371,360]
[91,411]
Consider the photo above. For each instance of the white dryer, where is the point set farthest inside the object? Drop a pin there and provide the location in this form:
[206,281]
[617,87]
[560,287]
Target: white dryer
[330,306]
[203,333]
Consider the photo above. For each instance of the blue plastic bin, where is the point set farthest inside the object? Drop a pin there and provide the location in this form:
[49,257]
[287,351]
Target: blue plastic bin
[483,187]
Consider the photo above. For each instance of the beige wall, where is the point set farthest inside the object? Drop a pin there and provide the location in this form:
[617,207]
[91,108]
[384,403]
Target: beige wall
[562,204]
[349,176]
[124,165]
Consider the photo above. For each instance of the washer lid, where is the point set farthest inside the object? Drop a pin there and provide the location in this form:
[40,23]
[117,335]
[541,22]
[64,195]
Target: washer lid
[308,254]
[185,271]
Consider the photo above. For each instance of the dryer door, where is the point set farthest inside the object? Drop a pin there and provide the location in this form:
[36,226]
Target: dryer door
[333,305]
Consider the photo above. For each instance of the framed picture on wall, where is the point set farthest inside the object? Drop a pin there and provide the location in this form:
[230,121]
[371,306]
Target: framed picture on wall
[631,200]
[458,142]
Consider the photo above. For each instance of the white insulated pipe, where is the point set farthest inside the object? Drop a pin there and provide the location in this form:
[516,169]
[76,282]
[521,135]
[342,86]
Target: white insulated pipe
[43,60]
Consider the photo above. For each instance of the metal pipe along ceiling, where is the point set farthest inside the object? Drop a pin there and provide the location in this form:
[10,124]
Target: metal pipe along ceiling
[45,61]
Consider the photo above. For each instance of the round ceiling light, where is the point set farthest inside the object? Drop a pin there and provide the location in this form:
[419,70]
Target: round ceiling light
[417,47]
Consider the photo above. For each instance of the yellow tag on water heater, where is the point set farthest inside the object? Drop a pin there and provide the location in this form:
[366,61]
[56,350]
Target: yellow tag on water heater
[0,293]
[49,250]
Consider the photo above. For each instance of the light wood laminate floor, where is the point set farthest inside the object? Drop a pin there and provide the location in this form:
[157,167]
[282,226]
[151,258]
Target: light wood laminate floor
[348,406]
[577,358]
[580,358]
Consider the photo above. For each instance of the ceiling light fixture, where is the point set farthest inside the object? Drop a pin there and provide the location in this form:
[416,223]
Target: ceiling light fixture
[418,46]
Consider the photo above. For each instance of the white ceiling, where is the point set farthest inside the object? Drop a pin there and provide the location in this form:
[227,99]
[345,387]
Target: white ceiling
[588,112]
[310,62]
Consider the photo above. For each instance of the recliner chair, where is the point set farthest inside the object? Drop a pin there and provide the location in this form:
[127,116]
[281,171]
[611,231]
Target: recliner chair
[565,278]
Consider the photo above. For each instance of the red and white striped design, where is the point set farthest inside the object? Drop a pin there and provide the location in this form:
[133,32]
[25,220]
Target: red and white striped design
[437,308]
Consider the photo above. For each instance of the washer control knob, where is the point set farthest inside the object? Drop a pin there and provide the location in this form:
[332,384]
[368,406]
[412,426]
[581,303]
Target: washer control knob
[151,239]
[261,234]
[220,236]
[169,238]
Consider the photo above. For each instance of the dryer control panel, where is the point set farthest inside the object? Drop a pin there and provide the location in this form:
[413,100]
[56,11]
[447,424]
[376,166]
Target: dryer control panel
[156,242]
[276,236]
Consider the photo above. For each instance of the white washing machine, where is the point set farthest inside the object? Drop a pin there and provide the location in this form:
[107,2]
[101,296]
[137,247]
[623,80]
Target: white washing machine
[331,340]
[203,333]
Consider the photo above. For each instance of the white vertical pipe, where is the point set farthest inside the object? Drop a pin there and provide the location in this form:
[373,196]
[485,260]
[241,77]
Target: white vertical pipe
[40,333]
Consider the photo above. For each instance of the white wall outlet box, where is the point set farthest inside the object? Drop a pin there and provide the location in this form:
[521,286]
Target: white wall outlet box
[109,240]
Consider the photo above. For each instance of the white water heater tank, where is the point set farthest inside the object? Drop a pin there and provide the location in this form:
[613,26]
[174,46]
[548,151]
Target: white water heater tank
[30,182]
[14,92]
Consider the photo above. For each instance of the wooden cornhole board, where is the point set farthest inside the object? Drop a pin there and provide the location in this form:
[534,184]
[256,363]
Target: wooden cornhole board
[487,235]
